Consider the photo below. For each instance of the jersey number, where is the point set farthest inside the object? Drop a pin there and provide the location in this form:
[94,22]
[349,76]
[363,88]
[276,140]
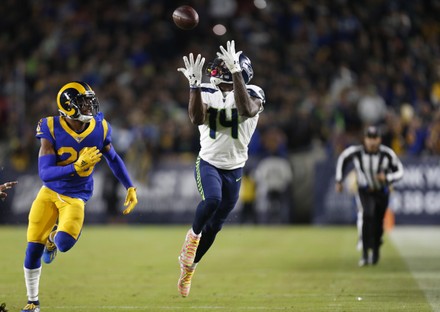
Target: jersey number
[73,156]
[221,116]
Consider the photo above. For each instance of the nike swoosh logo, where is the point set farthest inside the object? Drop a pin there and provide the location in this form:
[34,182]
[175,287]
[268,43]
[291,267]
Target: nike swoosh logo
[236,180]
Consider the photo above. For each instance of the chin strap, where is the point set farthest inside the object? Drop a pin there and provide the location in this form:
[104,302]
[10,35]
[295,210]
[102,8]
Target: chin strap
[84,118]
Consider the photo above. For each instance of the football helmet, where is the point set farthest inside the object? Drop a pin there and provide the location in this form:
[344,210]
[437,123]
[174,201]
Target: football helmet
[76,100]
[219,73]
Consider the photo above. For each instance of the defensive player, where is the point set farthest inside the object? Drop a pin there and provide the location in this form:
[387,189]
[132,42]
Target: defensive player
[71,145]
[226,111]
[377,168]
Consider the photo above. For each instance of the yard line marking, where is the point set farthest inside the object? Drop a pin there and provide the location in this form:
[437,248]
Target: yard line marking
[419,246]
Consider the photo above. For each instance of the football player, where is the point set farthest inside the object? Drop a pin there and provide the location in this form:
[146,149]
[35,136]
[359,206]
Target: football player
[226,112]
[71,146]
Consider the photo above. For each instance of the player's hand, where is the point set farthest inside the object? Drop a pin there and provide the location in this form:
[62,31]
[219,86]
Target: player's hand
[6,186]
[230,57]
[130,200]
[339,187]
[88,157]
[193,70]
[382,177]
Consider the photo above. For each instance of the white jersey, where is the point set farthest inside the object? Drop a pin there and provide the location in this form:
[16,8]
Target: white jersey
[225,136]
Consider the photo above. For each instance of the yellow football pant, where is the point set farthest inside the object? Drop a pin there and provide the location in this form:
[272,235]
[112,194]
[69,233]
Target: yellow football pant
[49,206]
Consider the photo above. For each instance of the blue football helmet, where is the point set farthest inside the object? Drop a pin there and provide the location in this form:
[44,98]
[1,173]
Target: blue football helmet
[76,100]
[219,73]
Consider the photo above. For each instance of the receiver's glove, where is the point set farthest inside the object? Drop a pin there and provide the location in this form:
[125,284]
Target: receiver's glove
[88,157]
[193,70]
[130,200]
[230,57]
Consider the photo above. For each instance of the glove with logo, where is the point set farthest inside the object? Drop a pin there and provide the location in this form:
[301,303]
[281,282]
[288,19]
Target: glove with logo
[193,70]
[88,157]
[230,57]
[130,200]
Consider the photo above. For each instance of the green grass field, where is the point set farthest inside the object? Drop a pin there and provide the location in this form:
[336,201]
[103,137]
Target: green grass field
[134,268]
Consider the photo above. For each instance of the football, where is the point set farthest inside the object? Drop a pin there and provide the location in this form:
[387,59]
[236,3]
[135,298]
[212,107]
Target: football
[185,17]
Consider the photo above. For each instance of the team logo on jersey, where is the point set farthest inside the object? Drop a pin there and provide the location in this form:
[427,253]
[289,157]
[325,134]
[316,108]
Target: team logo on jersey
[79,139]
[39,127]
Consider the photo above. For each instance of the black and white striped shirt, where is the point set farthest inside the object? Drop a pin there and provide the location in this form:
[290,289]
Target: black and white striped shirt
[369,165]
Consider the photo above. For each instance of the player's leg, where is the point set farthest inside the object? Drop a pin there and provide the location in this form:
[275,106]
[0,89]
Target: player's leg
[230,191]
[230,195]
[70,222]
[209,186]
[42,217]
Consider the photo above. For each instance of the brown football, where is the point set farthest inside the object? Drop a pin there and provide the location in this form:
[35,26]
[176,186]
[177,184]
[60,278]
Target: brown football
[185,17]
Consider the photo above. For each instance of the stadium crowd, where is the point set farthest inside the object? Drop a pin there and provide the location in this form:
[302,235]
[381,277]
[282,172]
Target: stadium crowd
[328,68]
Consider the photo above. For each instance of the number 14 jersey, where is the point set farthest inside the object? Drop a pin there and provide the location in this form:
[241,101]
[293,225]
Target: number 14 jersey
[225,136]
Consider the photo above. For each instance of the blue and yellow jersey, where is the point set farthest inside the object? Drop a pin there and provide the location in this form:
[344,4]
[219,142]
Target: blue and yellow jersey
[67,144]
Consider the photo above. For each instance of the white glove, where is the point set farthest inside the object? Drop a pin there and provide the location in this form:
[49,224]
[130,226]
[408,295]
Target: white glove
[193,70]
[231,59]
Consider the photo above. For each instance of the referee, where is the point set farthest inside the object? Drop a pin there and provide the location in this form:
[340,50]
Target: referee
[377,167]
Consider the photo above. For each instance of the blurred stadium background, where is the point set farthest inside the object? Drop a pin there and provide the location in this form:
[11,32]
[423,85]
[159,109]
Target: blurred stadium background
[328,68]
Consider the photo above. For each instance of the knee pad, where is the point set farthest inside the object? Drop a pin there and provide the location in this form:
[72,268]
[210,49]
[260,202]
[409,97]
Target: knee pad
[34,251]
[64,241]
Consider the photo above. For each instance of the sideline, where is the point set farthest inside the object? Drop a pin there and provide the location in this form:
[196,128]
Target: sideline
[419,246]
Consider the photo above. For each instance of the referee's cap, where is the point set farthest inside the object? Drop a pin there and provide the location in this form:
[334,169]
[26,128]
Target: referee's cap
[372,132]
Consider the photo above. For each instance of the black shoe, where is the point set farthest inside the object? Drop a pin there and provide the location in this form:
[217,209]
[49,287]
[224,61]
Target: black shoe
[376,256]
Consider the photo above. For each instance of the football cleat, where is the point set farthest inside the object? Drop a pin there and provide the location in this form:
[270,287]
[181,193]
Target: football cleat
[50,250]
[184,283]
[189,248]
[31,307]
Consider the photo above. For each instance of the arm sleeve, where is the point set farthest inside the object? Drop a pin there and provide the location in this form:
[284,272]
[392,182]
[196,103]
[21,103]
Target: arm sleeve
[343,159]
[396,168]
[49,171]
[118,168]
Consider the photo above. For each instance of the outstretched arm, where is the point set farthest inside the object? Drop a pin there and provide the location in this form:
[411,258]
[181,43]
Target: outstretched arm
[193,72]
[118,168]
[247,106]
[196,108]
